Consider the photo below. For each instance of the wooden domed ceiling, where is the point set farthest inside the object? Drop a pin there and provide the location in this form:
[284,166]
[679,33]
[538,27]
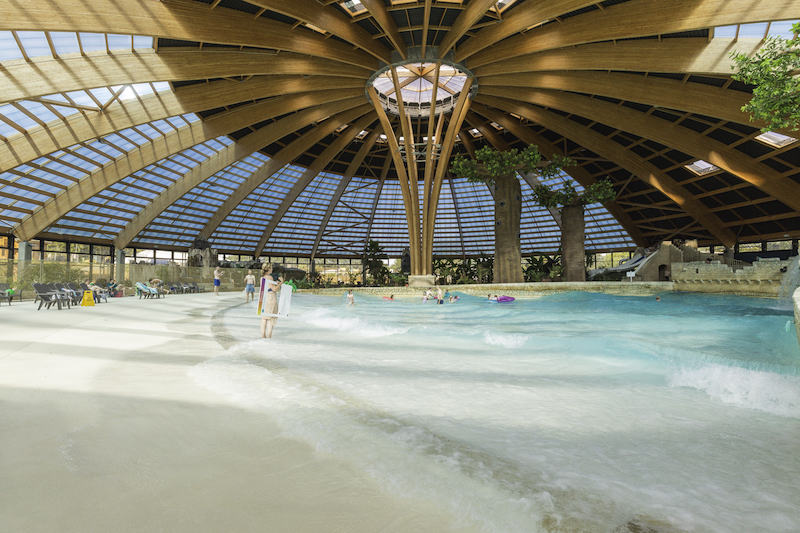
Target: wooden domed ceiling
[152,123]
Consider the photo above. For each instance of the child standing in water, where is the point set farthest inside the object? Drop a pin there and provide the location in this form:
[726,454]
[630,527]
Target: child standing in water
[249,286]
[350,297]
[217,277]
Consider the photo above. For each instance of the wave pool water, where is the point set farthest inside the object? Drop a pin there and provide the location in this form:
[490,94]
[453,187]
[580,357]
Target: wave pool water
[571,412]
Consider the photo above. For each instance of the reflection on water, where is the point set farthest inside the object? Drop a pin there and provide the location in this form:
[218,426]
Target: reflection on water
[573,412]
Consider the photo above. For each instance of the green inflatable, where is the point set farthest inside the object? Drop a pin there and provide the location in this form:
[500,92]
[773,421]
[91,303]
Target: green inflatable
[291,284]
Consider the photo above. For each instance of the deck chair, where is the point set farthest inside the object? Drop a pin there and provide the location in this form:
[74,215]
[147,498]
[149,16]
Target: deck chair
[4,288]
[102,294]
[73,295]
[146,292]
[197,288]
[45,297]
[63,297]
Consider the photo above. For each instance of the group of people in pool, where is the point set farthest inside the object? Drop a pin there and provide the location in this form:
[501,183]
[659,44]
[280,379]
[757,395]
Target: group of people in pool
[439,297]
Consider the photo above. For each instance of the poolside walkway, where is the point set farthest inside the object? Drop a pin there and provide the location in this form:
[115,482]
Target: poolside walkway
[101,429]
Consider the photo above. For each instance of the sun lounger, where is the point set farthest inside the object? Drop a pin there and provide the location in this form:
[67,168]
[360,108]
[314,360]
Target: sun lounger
[146,292]
[5,296]
[45,296]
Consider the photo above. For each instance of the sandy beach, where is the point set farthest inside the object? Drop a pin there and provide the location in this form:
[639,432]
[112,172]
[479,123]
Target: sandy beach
[101,429]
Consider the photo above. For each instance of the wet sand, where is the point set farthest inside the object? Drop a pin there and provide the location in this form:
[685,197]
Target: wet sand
[102,430]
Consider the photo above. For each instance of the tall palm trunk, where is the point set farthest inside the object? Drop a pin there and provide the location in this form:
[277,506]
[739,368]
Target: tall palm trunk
[507,212]
[572,247]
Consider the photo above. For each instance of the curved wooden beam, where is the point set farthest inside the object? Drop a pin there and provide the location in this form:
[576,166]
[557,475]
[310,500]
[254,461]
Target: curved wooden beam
[40,77]
[613,151]
[81,127]
[694,56]
[174,192]
[638,18]
[526,15]
[660,92]
[287,154]
[528,136]
[687,141]
[384,19]
[351,170]
[331,20]
[319,164]
[475,10]
[184,20]
[167,145]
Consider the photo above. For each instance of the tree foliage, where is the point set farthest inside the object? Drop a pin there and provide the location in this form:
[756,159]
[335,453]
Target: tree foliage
[373,262]
[775,73]
[600,191]
[490,164]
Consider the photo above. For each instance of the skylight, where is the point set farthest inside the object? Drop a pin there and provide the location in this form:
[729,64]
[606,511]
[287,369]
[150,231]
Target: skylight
[775,139]
[56,44]
[758,30]
[701,168]
[354,7]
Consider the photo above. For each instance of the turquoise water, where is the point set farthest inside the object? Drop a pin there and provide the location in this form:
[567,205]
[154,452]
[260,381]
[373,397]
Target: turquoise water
[572,412]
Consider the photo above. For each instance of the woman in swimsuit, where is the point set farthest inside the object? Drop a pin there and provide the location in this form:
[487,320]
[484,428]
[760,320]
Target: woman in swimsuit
[271,304]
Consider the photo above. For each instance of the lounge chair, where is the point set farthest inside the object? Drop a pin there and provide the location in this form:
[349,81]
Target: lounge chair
[146,292]
[63,297]
[73,295]
[196,287]
[102,294]
[4,288]
[45,296]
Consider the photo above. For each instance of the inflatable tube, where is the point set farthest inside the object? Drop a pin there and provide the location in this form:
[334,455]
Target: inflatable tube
[388,299]
[505,299]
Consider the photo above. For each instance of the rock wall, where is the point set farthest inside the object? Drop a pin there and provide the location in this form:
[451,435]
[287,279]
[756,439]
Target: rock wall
[517,290]
[763,278]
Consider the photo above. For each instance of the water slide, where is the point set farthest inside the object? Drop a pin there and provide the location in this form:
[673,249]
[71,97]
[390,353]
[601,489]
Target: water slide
[624,266]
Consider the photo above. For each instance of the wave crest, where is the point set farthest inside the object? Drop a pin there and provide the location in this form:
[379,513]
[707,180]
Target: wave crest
[764,391]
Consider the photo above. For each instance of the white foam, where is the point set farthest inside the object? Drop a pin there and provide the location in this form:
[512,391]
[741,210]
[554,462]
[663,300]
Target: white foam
[764,391]
[326,319]
[506,340]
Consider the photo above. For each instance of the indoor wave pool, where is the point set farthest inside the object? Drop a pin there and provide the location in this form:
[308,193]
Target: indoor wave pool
[570,412]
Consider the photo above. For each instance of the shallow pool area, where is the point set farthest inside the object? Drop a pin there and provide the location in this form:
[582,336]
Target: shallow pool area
[570,412]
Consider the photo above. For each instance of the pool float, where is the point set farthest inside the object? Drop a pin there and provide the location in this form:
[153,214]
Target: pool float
[505,299]
[388,298]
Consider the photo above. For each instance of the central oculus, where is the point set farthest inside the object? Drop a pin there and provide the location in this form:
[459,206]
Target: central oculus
[416,81]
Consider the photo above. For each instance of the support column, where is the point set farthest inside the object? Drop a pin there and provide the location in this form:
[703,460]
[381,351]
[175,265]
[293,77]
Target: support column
[119,265]
[24,254]
[572,243]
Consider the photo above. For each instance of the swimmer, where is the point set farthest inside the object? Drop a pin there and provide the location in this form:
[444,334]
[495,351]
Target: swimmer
[350,297]
[658,298]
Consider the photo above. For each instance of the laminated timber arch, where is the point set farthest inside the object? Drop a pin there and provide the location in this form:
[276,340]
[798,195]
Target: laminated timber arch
[686,56]
[283,157]
[36,78]
[638,18]
[174,19]
[288,80]
[184,138]
[189,99]
[613,152]
[683,139]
